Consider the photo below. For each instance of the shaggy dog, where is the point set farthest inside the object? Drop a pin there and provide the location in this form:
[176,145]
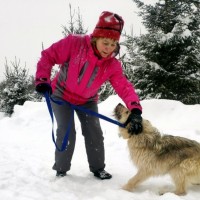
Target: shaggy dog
[154,155]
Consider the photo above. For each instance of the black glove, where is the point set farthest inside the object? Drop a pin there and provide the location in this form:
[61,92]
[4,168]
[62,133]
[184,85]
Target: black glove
[134,122]
[43,88]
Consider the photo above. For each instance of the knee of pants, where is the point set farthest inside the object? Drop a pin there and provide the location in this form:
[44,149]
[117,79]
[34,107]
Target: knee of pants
[61,133]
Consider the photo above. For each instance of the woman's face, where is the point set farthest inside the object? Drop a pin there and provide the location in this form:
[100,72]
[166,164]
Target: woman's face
[106,46]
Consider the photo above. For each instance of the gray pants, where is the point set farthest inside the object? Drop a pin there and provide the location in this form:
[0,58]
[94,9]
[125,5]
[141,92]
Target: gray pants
[91,130]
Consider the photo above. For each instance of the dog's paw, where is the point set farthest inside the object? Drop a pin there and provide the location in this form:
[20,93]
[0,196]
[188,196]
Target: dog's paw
[180,193]
[163,191]
[127,188]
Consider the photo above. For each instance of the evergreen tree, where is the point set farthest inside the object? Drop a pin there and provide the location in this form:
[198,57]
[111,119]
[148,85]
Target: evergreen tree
[166,60]
[75,23]
[16,86]
[105,91]
[32,94]
[2,87]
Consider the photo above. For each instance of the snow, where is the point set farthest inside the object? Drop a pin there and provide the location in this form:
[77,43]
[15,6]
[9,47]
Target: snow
[165,37]
[185,20]
[27,155]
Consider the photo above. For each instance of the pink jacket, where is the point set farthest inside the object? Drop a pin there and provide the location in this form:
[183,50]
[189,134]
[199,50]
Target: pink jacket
[81,73]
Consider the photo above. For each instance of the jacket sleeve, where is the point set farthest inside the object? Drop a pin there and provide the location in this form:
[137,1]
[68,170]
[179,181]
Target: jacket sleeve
[57,53]
[124,88]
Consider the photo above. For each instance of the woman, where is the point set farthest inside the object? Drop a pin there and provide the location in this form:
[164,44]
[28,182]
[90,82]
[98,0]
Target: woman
[86,63]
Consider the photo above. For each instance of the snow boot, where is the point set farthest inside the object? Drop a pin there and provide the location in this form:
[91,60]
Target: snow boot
[102,174]
[61,174]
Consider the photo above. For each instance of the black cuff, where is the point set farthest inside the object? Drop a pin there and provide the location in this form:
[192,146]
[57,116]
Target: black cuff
[136,111]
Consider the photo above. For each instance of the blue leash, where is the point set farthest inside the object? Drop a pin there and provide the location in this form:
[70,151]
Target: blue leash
[73,107]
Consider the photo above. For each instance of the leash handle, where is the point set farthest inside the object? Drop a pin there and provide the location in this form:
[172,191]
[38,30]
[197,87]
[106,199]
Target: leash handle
[65,140]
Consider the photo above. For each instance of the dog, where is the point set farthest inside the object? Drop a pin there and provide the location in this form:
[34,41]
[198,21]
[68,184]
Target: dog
[154,154]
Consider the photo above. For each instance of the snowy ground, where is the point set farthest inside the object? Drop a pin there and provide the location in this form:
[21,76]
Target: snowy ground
[27,155]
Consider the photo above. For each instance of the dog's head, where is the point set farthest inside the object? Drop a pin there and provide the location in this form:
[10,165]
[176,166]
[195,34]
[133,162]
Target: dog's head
[121,113]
